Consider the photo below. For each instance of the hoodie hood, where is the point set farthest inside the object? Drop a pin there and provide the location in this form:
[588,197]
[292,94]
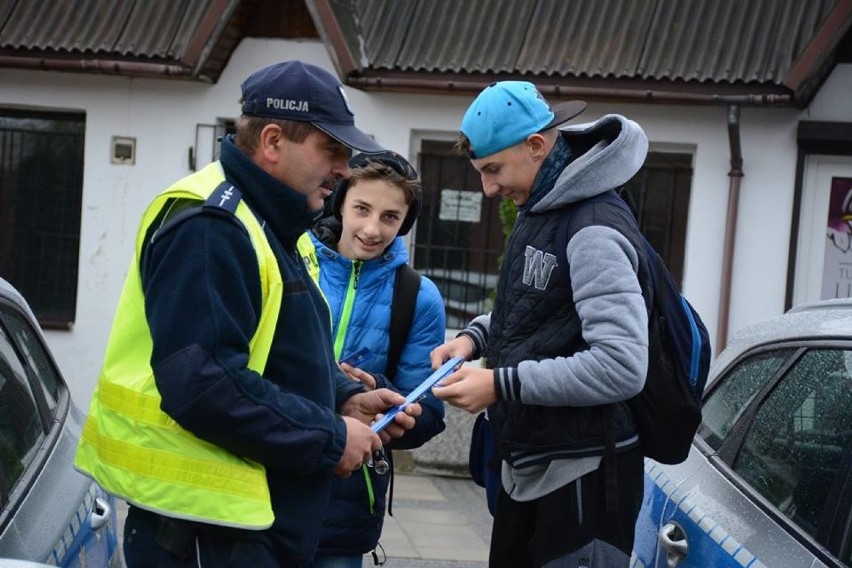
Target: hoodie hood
[608,153]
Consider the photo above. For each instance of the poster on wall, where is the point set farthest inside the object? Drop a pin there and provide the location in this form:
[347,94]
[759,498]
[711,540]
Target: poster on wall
[837,269]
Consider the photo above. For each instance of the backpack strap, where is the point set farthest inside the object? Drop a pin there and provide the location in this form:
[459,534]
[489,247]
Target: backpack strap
[406,285]
[621,216]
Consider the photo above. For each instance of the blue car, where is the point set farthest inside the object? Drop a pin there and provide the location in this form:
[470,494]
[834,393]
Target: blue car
[768,481]
[49,513]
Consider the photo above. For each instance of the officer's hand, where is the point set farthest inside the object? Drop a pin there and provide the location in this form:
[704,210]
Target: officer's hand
[361,442]
[469,388]
[369,406]
[462,346]
[402,422]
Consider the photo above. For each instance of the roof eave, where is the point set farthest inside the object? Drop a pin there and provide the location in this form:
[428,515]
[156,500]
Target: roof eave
[331,33]
[589,89]
[816,61]
[99,66]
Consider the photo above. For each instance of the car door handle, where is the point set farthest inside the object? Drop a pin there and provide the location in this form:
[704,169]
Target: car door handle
[101,512]
[673,541]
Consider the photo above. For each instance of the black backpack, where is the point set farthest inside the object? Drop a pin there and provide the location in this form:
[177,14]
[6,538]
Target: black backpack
[668,409]
[406,286]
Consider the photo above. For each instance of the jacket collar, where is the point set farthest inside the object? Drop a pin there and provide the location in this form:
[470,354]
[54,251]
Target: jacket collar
[559,157]
[284,209]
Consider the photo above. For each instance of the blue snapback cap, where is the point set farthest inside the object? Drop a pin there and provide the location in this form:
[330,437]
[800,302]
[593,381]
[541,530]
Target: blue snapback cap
[294,90]
[506,112]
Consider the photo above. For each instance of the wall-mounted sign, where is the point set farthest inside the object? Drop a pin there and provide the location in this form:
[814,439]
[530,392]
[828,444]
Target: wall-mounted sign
[459,205]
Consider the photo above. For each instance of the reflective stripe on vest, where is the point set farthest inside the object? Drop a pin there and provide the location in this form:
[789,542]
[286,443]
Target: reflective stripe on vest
[308,252]
[136,451]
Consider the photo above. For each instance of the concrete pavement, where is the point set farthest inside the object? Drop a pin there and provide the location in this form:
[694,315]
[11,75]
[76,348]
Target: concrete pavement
[437,522]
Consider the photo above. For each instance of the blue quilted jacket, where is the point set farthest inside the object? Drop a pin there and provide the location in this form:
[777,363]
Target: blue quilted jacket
[359,294]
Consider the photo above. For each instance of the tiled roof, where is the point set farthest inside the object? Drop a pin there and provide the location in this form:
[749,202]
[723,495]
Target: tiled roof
[728,47]
[191,39]
[700,51]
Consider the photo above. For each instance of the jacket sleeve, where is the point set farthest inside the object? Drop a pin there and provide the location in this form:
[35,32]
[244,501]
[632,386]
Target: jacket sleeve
[614,322]
[427,332]
[203,301]
[477,331]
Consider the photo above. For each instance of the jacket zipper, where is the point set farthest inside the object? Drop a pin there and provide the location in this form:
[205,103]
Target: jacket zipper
[348,303]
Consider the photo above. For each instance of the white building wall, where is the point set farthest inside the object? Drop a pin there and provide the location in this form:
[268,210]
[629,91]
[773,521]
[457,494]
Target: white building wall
[162,116]
[832,102]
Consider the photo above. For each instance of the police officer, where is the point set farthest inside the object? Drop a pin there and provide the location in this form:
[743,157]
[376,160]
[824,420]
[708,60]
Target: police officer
[220,414]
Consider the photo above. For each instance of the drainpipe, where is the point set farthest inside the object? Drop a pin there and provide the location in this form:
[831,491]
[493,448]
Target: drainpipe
[735,176]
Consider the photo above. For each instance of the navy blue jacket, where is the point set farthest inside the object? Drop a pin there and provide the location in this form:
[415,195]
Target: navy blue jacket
[202,300]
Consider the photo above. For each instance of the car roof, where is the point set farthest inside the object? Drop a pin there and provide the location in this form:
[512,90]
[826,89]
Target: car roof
[825,319]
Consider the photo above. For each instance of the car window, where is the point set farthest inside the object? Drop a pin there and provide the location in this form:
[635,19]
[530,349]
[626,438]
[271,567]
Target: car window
[799,436]
[726,403]
[461,291]
[31,348]
[21,430]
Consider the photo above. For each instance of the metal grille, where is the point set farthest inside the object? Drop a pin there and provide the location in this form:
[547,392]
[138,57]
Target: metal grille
[459,234]
[41,186]
[661,193]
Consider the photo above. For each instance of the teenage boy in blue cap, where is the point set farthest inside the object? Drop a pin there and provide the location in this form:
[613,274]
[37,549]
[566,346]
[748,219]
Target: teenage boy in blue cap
[221,414]
[567,340]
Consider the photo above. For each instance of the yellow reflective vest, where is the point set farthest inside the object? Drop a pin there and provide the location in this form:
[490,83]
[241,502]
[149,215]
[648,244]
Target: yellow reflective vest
[309,256]
[135,450]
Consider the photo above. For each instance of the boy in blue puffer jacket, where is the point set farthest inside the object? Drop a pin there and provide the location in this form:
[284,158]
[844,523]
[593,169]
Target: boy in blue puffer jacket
[358,250]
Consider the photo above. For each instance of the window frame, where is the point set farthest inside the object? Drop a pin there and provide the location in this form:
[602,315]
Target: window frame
[452,245]
[53,310]
[53,421]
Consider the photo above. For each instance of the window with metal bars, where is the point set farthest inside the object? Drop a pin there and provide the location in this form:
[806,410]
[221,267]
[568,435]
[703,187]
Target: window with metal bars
[459,235]
[41,190]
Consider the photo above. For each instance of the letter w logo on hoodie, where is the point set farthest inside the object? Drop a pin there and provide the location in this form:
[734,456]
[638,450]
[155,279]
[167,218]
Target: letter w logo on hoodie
[537,267]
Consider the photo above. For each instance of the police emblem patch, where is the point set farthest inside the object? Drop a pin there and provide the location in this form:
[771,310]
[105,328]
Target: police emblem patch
[345,100]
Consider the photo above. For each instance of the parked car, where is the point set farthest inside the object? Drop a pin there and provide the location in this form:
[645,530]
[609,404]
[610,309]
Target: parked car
[49,512]
[768,481]
[466,294]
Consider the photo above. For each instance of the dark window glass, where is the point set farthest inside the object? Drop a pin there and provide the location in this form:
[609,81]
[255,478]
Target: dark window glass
[32,350]
[660,192]
[466,294]
[21,430]
[794,448]
[724,406]
[41,188]
[461,230]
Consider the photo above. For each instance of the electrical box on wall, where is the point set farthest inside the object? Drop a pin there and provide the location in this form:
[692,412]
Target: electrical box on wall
[123,150]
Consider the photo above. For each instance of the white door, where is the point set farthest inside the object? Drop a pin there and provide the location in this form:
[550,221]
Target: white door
[824,249]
